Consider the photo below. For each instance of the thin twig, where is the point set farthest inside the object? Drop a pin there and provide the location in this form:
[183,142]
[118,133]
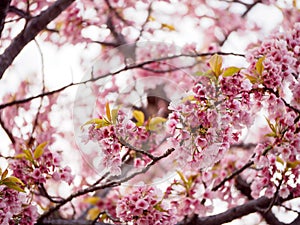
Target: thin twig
[33,28]
[103,186]
[125,68]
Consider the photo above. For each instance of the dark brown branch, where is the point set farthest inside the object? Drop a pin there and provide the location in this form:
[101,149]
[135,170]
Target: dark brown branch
[109,44]
[276,93]
[43,192]
[247,208]
[233,174]
[248,9]
[7,131]
[35,25]
[123,142]
[245,189]
[296,221]
[4,6]
[239,171]
[19,12]
[68,222]
[145,22]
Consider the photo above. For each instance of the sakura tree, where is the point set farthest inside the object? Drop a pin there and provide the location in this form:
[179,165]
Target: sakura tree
[186,112]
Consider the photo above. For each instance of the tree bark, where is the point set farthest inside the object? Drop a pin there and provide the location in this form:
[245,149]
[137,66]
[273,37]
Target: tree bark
[34,26]
[4,5]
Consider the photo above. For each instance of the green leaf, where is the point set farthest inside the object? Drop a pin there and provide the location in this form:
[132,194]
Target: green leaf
[93,200]
[293,164]
[107,108]
[13,179]
[259,66]
[38,152]
[168,26]
[4,174]
[271,135]
[188,98]
[154,122]
[252,79]
[114,115]
[182,177]
[272,127]
[215,64]
[280,160]
[208,74]
[103,123]
[139,116]
[99,122]
[230,71]
[93,213]
[20,156]
[28,155]
[13,183]
[14,186]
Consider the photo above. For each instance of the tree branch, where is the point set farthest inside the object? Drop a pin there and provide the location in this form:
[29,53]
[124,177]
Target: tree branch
[4,6]
[110,184]
[35,25]
[125,68]
[19,12]
[7,131]
[233,213]
[245,189]
[68,222]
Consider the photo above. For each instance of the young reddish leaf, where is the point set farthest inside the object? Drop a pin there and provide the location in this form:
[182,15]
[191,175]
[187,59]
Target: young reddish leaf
[38,152]
[215,64]
[93,213]
[139,116]
[107,108]
[230,71]
[154,122]
[259,66]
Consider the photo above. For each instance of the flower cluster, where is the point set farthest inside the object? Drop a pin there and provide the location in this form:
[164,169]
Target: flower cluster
[110,147]
[280,54]
[34,171]
[144,206]
[14,208]
[205,124]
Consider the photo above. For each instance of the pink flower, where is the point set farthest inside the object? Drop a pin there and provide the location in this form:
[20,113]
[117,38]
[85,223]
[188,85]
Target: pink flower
[201,142]
[142,204]
[56,176]
[284,192]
